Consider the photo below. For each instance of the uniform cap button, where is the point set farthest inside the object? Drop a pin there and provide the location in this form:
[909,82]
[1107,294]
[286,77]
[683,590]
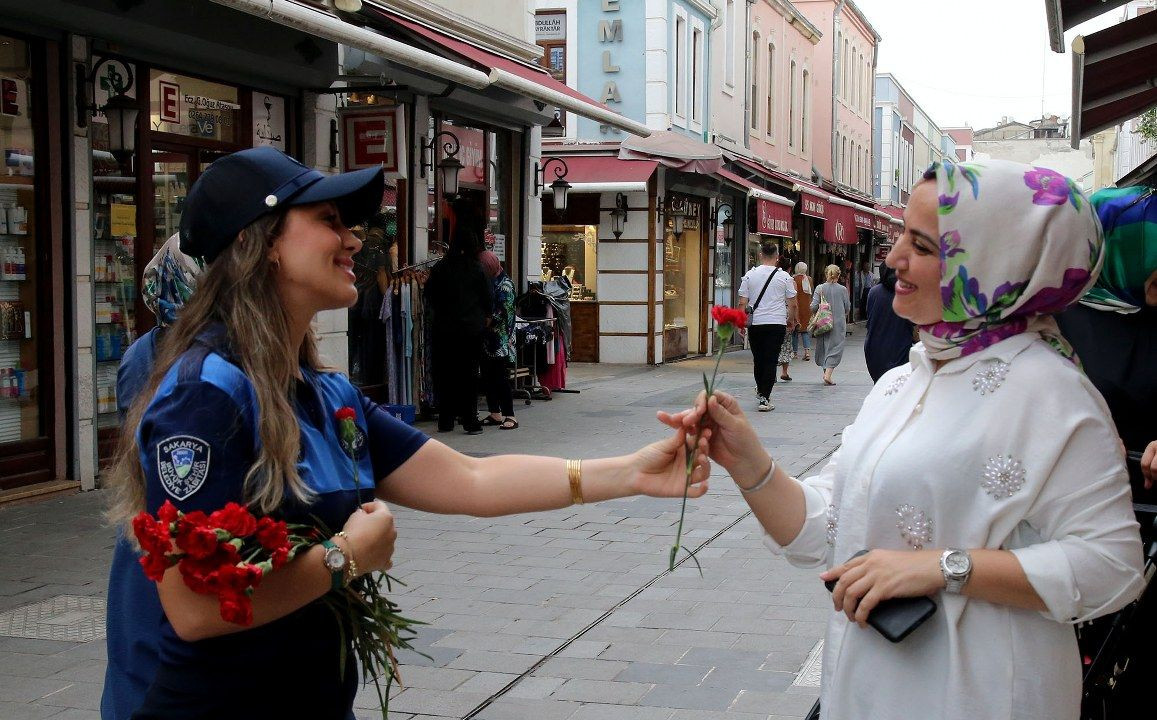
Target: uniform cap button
[271,200]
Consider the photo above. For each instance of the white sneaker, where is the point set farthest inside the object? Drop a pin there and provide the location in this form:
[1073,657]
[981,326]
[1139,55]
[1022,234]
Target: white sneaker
[765,404]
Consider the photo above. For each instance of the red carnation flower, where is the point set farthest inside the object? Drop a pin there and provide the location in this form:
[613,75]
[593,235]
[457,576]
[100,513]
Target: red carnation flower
[168,513]
[724,315]
[196,541]
[237,609]
[272,534]
[345,413]
[154,566]
[234,519]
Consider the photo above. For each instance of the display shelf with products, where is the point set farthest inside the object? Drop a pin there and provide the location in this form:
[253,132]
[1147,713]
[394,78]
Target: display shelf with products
[114,291]
[19,408]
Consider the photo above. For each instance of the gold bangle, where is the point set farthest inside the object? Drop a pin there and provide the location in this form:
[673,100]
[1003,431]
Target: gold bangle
[574,473]
[351,564]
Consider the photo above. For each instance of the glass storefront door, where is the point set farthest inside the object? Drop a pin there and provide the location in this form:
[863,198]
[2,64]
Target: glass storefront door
[22,346]
[683,302]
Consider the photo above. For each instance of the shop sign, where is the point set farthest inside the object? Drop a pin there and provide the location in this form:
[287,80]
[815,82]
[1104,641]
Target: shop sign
[170,102]
[373,138]
[862,218]
[772,218]
[813,205]
[550,27]
[840,225]
[880,225]
[268,121]
[472,155]
[112,77]
[122,220]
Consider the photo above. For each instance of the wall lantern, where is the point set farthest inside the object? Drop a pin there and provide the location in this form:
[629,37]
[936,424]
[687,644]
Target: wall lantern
[559,187]
[676,212]
[728,222]
[449,167]
[619,215]
[120,109]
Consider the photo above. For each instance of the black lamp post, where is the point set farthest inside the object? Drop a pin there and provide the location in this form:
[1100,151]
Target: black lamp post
[559,187]
[728,222]
[449,167]
[619,215]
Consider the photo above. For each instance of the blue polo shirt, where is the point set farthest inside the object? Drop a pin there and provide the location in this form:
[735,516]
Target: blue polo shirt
[198,439]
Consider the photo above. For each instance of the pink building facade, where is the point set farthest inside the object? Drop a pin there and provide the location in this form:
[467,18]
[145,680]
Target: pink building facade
[844,65]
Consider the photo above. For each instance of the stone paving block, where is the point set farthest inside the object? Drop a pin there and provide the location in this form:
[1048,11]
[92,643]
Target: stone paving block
[698,639]
[677,621]
[723,658]
[438,656]
[663,673]
[483,660]
[36,666]
[486,682]
[25,690]
[595,711]
[761,679]
[439,703]
[581,668]
[689,697]
[626,634]
[638,652]
[803,628]
[514,708]
[434,678]
[584,649]
[602,691]
[717,715]
[25,711]
[752,626]
[80,695]
[778,703]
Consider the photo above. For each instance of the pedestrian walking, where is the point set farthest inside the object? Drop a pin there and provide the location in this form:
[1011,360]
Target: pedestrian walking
[803,301]
[889,337]
[498,346]
[460,298]
[772,312]
[982,474]
[829,350]
[239,408]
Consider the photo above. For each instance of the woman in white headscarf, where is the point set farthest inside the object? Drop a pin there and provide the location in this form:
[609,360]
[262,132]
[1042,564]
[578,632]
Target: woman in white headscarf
[985,473]
[803,294]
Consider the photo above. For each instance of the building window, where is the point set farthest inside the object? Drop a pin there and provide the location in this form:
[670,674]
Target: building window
[729,42]
[839,69]
[791,106]
[680,67]
[847,61]
[696,73]
[844,160]
[754,98]
[770,89]
[805,106]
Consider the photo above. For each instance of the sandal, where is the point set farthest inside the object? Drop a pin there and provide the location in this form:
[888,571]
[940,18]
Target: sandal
[508,423]
[785,377]
[491,422]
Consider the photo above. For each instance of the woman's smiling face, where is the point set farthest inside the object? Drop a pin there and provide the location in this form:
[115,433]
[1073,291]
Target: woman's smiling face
[916,260]
[314,256]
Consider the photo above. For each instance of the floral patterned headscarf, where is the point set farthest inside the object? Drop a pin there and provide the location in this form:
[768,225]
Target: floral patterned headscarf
[169,279]
[1129,216]
[1017,244]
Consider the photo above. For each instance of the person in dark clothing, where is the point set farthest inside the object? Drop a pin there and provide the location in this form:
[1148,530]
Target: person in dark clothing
[889,336]
[460,298]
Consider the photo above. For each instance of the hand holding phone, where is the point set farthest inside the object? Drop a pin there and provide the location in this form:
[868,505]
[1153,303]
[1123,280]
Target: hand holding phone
[896,618]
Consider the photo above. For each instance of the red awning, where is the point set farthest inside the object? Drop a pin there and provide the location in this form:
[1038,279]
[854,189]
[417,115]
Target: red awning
[814,202]
[840,225]
[772,218]
[606,173]
[880,223]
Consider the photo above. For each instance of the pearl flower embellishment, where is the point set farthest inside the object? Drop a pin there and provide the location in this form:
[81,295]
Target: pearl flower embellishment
[1002,476]
[989,378]
[895,385]
[833,524]
[915,527]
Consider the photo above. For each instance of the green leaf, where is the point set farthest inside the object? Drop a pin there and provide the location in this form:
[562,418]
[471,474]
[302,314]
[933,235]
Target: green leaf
[695,560]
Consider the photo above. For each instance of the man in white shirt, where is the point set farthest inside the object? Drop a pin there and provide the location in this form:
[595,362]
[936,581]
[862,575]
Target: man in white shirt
[771,292]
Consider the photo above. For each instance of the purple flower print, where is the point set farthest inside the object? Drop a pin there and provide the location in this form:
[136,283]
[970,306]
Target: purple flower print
[948,203]
[950,242]
[1051,187]
[1054,299]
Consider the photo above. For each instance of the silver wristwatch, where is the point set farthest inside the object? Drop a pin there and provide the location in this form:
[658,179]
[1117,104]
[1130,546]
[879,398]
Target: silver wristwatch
[956,565]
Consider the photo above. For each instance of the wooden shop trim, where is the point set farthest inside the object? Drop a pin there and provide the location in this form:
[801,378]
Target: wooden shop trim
[622,272]
[622,334]
[652,190]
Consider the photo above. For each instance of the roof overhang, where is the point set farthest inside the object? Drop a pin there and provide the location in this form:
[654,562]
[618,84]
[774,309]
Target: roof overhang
[1114,75]
[1065,15]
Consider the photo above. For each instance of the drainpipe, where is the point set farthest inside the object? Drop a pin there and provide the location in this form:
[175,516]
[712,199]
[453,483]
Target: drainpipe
[835,89]
[747,74]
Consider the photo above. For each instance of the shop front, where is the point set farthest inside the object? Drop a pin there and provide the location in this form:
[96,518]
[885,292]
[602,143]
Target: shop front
[686,269]
[32,401]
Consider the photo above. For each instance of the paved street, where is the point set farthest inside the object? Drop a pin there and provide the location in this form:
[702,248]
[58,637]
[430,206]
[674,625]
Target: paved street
[565,615]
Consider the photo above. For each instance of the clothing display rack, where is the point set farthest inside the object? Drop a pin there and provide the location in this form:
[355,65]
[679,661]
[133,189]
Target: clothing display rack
[529,335]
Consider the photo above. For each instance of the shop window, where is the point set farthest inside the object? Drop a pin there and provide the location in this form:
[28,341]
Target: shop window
[20,237]
[682,267]
[571,251]
[189,106]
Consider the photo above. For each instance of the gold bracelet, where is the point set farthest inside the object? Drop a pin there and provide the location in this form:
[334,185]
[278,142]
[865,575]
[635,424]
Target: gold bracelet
[574,473]
[351,564]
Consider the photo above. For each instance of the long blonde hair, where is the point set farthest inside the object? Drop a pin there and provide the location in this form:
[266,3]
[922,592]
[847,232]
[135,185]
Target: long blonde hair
[238,291]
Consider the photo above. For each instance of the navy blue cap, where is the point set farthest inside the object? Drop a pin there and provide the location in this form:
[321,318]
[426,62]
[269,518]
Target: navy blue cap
[238,189]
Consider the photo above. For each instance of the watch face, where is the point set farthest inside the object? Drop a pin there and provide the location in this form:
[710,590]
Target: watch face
[334,559]
[957,563]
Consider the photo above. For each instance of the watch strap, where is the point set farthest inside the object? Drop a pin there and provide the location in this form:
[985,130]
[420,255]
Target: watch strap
[953,582]
[337,577]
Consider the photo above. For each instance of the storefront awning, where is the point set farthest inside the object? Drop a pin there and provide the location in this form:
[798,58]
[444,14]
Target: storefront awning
[1114,75]
[497,71]
[674,150]
[754,190]
[862,216]
[533,82]
[813,202]
[1065,15]
[772,212]
[606,173]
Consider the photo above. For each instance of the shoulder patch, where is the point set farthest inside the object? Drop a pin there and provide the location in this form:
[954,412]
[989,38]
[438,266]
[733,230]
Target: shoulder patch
[182,465]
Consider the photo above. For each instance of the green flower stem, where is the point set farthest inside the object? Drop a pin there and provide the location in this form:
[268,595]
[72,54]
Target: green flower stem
[692,453]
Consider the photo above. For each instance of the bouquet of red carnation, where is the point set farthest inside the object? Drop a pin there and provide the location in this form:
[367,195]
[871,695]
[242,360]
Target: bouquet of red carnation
[226,553]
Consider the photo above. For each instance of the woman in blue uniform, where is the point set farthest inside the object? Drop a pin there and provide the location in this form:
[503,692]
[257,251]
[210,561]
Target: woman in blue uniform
[240,408]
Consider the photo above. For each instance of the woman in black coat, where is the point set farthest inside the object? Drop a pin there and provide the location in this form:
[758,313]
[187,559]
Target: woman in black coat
[889,335]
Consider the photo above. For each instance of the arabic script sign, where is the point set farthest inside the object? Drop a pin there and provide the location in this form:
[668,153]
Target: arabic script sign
[268,121]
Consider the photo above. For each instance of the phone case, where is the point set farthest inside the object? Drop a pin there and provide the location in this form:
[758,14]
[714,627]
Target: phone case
[896,618]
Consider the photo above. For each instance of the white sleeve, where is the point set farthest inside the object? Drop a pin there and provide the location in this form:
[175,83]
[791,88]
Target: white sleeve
[789,285]
[810,547]
[743,291]
[1089,562]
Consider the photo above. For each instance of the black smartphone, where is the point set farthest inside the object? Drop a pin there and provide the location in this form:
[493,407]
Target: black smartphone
[896,618]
